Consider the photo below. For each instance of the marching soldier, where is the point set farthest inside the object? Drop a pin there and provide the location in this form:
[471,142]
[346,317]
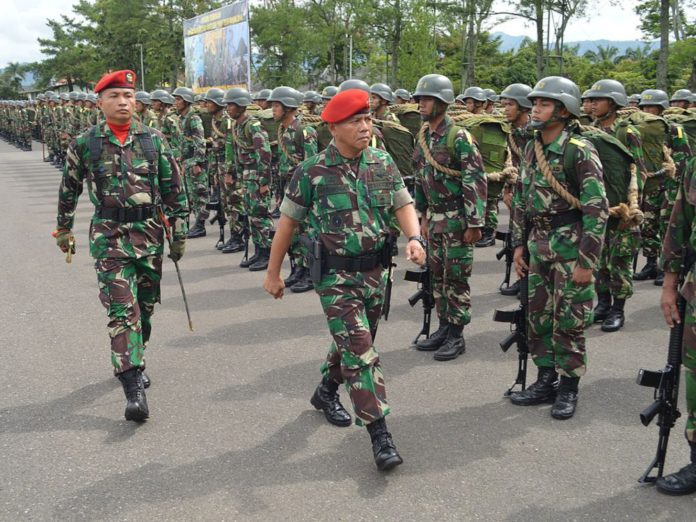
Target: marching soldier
[328,192]
[561,216]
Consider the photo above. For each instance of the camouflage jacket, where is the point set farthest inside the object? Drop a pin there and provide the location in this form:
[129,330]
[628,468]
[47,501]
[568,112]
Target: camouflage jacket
[534,196]
[681,231]
[248,152]
[346,204]
[221,127]
[192,146]
[452,203]
[148,118]
[122,179]
[680,147]
[168,124]
[517,142]
[290,156]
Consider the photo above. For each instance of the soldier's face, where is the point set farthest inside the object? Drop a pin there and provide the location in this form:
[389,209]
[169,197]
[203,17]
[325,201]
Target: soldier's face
[117,104]
[544,109]
[681,104]
[510,108]
[652,109]
[211,107]
[139,107]
[426,107]
[233,110]
[278,110]
[157,105]
[375,102]
[599,107]
[587,106]
[353,134]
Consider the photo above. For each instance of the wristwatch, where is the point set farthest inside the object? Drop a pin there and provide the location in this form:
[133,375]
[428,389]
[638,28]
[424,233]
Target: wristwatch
[420,239]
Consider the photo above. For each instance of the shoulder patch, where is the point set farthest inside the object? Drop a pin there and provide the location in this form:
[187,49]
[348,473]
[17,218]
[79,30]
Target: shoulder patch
[680,132]
[577,142]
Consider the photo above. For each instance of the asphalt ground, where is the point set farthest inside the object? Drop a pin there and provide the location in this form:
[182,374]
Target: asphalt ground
[232,435]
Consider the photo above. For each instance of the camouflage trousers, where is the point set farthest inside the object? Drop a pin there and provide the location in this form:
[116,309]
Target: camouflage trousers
[256,207]
[615,272]
[197,189]
[450,264]
[651,230]
[233,203]
[495,189]
[670,195]
[352,303]
[128,289]
[559,310]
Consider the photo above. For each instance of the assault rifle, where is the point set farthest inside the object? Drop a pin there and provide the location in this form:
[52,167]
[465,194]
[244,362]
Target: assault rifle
[215,203]
[666,385]
[507,251]
[518,335]
[422,276]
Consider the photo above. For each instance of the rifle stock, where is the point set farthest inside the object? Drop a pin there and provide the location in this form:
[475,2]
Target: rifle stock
[424,294]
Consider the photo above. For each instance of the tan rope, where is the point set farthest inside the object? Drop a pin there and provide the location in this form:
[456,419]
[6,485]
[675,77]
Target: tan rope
[237,140]
[283,148]
[630,213]
[215,128]
[429,157]
[550,179]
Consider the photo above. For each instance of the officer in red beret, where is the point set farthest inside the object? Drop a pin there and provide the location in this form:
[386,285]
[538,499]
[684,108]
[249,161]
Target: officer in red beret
[346,197]
[131,179]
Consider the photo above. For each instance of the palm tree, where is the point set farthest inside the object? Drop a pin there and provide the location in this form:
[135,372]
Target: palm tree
[14,72]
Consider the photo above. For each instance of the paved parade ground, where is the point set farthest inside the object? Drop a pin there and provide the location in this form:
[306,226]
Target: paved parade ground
[231,434]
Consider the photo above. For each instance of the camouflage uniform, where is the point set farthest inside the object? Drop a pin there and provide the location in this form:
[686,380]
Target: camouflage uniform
[681,152]
[221,128]
[128,254]
[347,206]
[251,157]
[453,204]
[559,310]
[193,154]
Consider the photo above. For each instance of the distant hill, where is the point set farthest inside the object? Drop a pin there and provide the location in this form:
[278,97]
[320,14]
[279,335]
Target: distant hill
[510,42]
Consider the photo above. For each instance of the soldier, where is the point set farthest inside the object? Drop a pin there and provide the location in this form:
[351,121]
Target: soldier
[297,142]
[92,111]
[614,282]
[586,109]
[516,107]
[680,239]
[261,98]
[130,174]
[381,97]
[565,219]
[401,97]
[474,100]
[142,109]
[681,99]
[350,270]
[249,163]
[192,155]
[491,99]
[166,121]
[311,101]
[634,100]
[450,195]
[328,92]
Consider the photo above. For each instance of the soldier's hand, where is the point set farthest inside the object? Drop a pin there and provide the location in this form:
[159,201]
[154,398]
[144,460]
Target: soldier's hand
[582,276]
[472,235]
[668,302]
[507,197]
[415,252]
[521,266]
[264,189]
[177,249]
[197,170]
[228,179]
[274,285]
[64,239]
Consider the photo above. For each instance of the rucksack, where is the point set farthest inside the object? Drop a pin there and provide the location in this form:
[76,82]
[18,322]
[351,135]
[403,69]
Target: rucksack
[409,117]
[687,119]
[491,135]
[265,116]
[399,143]
[654,133]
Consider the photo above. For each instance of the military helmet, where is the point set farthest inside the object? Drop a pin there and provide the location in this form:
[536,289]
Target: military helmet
[159,95]
[329,92]
[460,98]
[475,93]
[609,89]
[634,98]
[437,86]
[238,96]
[185,94]
[403,94]
[64,96]
[81,96]
[286,96]
[54,98]
[41,97]
[518,92]
[170,99]
[490,95]
[654,97]
[585,95]
[383,91]
[215,95]
[49,93]
[354,83]
[682,95]
[198,97]
[91,97]
[263,94]
[143,97]
[72,95]
[311,97]
[560,89]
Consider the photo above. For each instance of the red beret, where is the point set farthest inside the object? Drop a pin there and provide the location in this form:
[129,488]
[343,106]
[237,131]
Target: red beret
[346,104]
[116,80]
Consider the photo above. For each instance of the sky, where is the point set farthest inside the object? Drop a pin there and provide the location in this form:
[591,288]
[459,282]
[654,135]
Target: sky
[23,21]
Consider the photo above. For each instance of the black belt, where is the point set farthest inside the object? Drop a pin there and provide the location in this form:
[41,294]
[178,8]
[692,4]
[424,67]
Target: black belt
[453,204]
[126,214]
[354,264]
[550,221]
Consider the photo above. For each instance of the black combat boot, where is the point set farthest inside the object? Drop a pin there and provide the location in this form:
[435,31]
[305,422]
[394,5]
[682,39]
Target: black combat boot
[296,273]
[453,346]
[615,318]
[261,262]
[235,244]
[513,289]
[567,400]
[252,259]
[136,407]
[659,278]
[436,339]
[601,311]
[198,229]
[543,390]
[326,398]
[683,482]
[383,448]
[220,246]
[649,271]
[487,238]
[304,283]
[276,213]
